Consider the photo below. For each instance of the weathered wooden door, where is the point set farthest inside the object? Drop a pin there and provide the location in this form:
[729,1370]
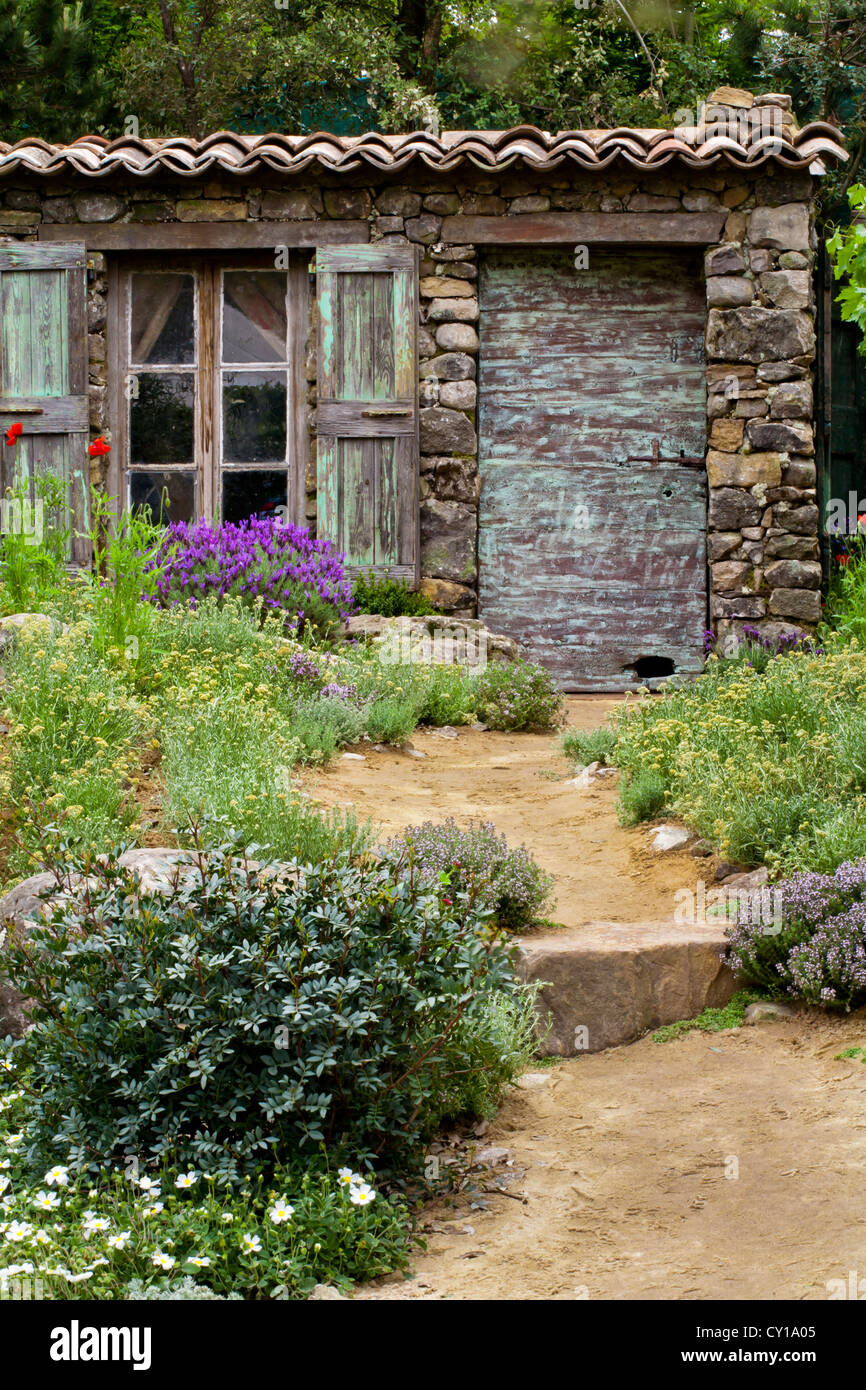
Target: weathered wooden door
[592,422]
[367,414]
[43,368]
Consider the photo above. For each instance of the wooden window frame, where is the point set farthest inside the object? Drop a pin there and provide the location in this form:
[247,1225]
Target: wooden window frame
[208,268]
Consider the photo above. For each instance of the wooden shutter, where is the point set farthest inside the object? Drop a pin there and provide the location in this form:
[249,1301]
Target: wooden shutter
[367,470]
[43,367]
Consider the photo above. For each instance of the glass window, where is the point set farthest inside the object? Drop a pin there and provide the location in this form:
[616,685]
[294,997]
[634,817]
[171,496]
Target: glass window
[162,417]
[254,316]
[163,319]
[169,495]
[254,492]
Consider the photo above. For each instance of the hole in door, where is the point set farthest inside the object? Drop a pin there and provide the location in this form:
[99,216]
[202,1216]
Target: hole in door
[652,667]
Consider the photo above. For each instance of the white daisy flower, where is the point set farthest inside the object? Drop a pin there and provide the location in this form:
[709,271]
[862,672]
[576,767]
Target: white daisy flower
[199,1261]
[184,1180]
[58,1176]
[46,1201]
[162,1261]
[361,1196]
[281,1211]
[154,1209]
[250,1245]
[120,1241]
[18,1230]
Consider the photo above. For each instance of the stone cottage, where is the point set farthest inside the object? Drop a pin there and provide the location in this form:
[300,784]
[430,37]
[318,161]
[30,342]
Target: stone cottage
[563,382]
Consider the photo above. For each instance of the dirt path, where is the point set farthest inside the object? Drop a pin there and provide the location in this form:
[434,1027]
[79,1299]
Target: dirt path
[620,1159]
[617,1171]
[519,782]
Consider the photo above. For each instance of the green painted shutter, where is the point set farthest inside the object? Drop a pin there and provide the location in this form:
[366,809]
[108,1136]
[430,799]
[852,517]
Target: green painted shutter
[43,367]
[367,461]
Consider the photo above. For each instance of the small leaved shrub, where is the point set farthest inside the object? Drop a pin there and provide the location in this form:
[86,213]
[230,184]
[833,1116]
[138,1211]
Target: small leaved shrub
[504,881]
[518,695]
[642,796]
[245,1016]
[389,598]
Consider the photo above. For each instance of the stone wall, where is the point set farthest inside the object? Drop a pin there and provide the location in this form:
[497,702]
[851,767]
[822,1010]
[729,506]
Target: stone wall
[763,516]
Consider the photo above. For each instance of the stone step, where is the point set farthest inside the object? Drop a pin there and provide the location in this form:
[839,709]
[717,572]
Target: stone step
[617,981]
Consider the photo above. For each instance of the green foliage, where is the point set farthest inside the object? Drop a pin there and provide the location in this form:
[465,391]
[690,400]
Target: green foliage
[391,598]
[123,574]
[642,796]
[518,695]
[75,735]
[845,613]
[769,766]
[847,248]
[450,696]
[589,745]
[34,542]
[242,1018]
[176,1235]
[711,1020]
[487,1050]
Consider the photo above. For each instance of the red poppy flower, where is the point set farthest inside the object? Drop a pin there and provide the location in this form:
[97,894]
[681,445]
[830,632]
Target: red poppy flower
[843,559]
[99,446]
[13,433]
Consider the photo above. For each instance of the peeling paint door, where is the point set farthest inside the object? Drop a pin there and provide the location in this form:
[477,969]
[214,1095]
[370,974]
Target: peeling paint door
[43,370]
[592,422]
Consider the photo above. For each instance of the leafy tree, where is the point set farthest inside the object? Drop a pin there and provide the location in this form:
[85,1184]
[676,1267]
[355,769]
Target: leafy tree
[49,69]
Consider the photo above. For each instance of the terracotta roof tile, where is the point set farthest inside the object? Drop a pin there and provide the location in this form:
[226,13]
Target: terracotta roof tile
[752,137]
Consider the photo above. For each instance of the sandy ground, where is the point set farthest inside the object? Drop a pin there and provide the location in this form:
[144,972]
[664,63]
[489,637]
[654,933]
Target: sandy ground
[618,1176]
[724,1166]
[603,872]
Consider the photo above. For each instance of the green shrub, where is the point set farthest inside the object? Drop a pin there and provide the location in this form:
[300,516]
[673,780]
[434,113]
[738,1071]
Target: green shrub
[75,735]
[450,695]
[642,797]
[769,766]
[589,745]
[487,1048]
[518,695]
[324,725]
[245,1017]
[505,882]
[390,598]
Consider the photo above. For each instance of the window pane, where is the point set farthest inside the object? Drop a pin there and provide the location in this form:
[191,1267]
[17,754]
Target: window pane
[254,417]
[170,496]
[161,426]
[163,316]
[254,493]
[254,316]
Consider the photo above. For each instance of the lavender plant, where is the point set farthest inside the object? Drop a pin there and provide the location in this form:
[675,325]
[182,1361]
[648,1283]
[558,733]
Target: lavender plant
[290,573]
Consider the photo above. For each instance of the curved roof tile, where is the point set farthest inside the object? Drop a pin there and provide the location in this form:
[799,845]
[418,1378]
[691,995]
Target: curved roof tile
[748,144]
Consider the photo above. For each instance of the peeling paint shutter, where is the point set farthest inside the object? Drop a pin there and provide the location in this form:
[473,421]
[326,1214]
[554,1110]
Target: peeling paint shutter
[367,416]
[43,367]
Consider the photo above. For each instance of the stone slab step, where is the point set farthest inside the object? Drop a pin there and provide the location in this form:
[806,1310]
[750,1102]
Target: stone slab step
[617,981]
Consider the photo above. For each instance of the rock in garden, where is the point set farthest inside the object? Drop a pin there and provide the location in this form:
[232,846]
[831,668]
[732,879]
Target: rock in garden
[323,1292]
[765,1011]
[755,878]
[668,837]
[494,1157]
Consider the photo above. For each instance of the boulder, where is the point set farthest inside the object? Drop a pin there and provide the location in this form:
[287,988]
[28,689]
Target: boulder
[606,984]
[668,837]
[728,291]
[783,435]
[448,539]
